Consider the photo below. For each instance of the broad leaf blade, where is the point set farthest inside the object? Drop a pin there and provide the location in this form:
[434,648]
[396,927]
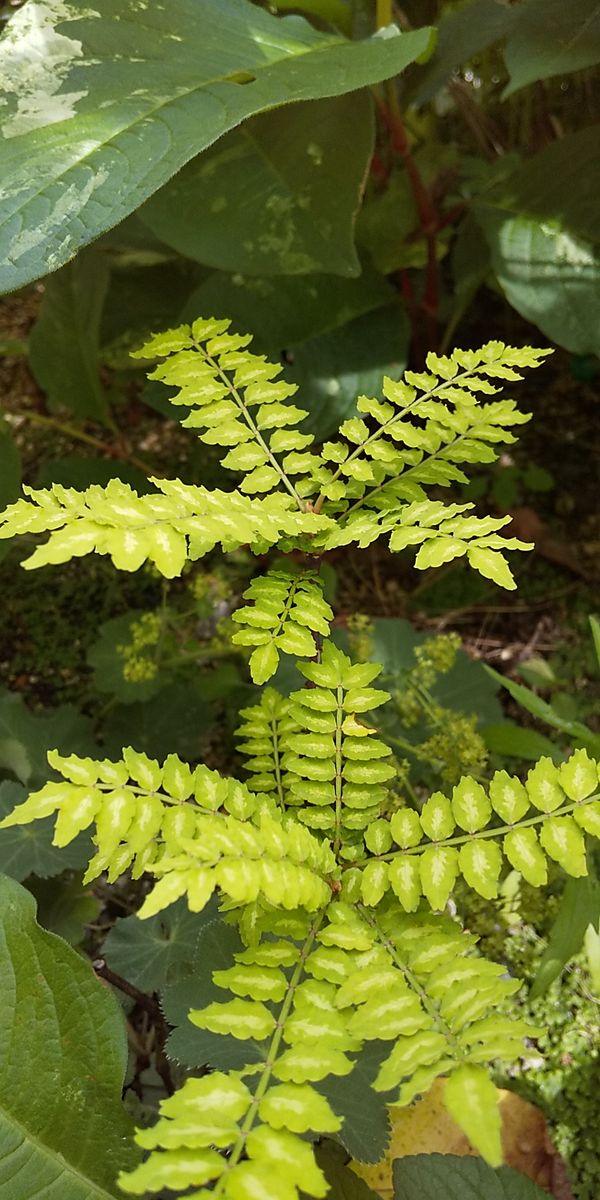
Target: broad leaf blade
[144,952]
[278,195]
[27,849]
[63,1130]
[550,275]
[131,94]
[552,38]
[448,1177]
[64,342]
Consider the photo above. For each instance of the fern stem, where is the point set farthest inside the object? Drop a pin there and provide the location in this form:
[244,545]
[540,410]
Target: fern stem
[252,426]
[339,717]
[413,983]
[496,831]
[411,470]
[284,1012]
[382,429]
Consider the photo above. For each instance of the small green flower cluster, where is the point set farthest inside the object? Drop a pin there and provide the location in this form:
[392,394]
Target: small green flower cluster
[138,665]
[435,656]
[455,748]
[360,629]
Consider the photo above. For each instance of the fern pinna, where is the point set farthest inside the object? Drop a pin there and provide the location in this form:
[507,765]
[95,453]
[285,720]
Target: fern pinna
[336,884]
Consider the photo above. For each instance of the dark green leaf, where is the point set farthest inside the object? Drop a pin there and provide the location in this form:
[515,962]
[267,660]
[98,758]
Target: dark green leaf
[365,1133]
[542,186]
[27,849]
[448,1177]
[136,93]
[539,708]
[63,345]
[595,625]
[143,952]
[62,1062]
[10,466]
[285,312]
[462,33]
[579,907]
[551,38]
[191,987]
[64,906]
[551,276]
[174,721]
[108,662]
[332,370]
[505,737]
[278,195]
[25,737]
[344,1184]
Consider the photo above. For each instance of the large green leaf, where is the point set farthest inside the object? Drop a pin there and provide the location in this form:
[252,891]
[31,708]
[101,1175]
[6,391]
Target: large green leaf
[63,346]
[448,1177]
[551,276]
[26,737]
[103,104]
[108,661]
[10,466]
[27,849]
[462,33]
[277,196]
[579,907]
[287,311]
[542,186]
[551,37]
[335,368]
[344,1183]
[144,952]
[63,1130]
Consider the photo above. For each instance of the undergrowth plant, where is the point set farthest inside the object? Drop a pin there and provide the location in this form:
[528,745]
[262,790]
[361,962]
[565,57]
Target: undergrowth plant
[335,883]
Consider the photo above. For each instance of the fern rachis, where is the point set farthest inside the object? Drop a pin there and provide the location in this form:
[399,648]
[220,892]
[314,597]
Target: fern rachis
[338,893]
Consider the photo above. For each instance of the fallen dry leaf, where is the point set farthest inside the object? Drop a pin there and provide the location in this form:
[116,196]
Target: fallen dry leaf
[427,1128]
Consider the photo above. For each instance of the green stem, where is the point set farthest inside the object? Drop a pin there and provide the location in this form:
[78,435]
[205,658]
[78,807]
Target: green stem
[413,983]
[383,429]
[284,1012]
[384,13]
[339,764]
[252,426]
[496,831]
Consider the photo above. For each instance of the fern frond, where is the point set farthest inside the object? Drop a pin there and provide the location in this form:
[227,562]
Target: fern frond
[287,610]
[185,522]
[264,740]
[546,817]
[195,829]
[236,401]
[394,456]
[442,531]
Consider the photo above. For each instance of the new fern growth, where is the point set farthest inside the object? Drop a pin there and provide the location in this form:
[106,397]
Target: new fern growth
[336,884]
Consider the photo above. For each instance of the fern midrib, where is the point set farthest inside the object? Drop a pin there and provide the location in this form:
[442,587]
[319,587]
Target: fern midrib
[272,1054]
[412,981]
[497,831]
[252,426]
[339,764]
[411,470]
[382,429]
